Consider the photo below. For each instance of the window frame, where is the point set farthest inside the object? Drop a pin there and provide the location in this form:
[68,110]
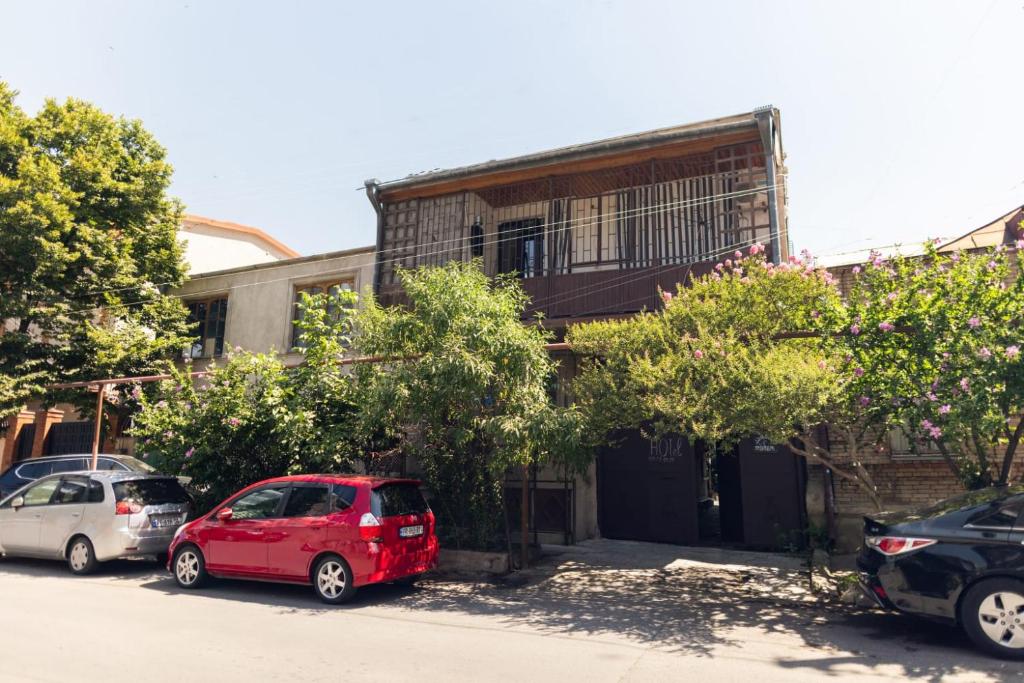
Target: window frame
[208,346]
[324,286]
[513,237]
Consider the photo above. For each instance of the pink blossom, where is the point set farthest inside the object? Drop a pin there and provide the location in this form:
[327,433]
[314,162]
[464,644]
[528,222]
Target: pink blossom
[891,297]
[233,421]
[858,372]
[886,327]
[855,329]
[666,296]
[865,401]
[716,276]
[698,354]
[991,265]
[984,353]
[931,396]
[793,259]
[965,384]
[168,434]
[974,322]
[737,254]
[935,432]
[745,280]
[189,452]
[822,364]
[856,270]
[728,263]
[1019,244]
[944,409]
[737,270]
[1012,351]
[926,424]
[757,248]
[718,266]
[955,256]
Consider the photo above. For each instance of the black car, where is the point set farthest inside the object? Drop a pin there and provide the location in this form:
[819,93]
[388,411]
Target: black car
[25,471]
[959,561]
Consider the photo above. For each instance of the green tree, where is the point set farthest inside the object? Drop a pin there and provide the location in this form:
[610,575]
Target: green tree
[935,345]
[467,383]
[88,243]
[720,363]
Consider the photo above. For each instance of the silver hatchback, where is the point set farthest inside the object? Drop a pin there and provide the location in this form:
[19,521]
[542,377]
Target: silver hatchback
[91,517]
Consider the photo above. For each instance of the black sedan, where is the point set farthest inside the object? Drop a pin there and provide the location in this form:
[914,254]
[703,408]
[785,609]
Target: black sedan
[960,561]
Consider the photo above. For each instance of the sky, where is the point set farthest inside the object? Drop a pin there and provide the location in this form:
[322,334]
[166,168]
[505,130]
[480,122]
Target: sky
[900,120]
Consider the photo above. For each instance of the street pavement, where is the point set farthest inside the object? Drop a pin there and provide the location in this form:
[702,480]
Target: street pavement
[622,612]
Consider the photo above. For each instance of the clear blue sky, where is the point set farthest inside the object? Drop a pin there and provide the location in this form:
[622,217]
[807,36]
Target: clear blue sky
[901,120]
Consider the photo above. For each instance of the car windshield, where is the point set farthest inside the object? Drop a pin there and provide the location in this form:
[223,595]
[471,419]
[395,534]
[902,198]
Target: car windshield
[150,491]
[399,498]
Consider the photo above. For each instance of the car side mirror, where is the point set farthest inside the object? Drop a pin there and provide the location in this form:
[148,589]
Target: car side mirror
[18,502]
[224,514]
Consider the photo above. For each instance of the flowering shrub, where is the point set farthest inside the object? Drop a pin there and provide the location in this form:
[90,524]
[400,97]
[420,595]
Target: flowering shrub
[954,375]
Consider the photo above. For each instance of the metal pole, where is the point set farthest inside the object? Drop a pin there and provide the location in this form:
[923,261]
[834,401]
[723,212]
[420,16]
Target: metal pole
[524,520]
[96,429]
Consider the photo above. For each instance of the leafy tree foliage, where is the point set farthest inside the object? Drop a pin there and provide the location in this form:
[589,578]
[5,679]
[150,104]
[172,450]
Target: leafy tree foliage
[87,242]
[935,346]
[718,363]
[467,386]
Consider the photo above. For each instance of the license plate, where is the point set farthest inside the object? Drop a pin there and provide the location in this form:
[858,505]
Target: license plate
[161,522]
[410,531]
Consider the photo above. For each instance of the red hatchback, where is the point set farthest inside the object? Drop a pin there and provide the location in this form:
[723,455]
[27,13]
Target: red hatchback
[335,532]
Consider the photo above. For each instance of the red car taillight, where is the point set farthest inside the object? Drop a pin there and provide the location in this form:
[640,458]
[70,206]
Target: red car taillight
[125,507]
[370,529]
[897,545]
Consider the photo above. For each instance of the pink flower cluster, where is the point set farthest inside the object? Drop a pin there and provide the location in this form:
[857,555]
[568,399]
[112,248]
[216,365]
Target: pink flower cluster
[932,430]
[886,326]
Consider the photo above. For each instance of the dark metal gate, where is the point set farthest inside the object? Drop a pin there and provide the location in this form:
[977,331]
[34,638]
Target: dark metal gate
[648,490]
[23,449]
[69,437]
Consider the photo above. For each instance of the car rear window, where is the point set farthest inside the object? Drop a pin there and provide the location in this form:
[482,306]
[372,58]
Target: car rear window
[390,500]
[150,491]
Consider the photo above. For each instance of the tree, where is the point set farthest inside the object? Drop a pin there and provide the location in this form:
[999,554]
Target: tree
[88,243]
[467,384]
[720,362]
[935,346]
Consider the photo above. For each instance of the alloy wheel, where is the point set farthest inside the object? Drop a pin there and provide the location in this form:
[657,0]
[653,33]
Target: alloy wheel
[186,568]
[330,580]
[1001,616]
[79,556]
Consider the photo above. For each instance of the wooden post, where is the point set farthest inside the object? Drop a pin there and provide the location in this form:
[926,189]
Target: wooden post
[97,428]
[524,520]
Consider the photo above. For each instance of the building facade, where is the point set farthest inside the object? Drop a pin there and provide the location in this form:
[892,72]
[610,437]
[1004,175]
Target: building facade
[593,231]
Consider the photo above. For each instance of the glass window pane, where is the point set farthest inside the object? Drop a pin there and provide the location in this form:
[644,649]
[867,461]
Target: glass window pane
[40,493]
[259,504]
[71,491]
[306,501]
[342,497]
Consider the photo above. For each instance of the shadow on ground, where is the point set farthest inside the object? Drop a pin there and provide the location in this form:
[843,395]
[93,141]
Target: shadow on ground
[688,607]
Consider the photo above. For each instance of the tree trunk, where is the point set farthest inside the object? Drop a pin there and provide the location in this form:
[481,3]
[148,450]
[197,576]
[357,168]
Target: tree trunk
[1011,451]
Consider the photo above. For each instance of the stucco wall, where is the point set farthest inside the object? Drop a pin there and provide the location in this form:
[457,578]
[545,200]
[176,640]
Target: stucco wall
[261,298]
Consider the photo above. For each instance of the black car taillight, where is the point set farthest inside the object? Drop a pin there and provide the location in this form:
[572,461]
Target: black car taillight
[897,545]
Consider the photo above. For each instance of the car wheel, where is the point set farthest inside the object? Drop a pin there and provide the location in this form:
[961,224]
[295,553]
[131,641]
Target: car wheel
[189,567]
[992,614]
[81,558]
[332,580]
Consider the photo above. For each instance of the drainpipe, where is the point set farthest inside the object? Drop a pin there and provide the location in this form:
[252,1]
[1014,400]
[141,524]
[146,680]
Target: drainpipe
[765,124]
[373,194]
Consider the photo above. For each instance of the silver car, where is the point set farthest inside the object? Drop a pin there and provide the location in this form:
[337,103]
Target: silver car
[90,517]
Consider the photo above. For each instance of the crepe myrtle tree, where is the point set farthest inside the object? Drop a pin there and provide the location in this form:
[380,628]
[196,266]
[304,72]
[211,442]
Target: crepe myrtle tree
[720,362]
[88,247]
[467,383]
[934,347]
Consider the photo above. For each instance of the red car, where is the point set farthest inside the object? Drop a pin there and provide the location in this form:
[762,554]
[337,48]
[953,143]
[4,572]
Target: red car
[335,532]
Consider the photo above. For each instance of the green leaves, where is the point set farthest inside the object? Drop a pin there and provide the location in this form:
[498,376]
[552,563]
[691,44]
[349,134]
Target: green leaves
[88,241]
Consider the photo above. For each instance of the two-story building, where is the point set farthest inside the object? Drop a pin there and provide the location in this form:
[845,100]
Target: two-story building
[593,230]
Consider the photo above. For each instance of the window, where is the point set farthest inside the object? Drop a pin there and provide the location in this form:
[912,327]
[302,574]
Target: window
[70,465]
[151,491]
[1003,517]
[96,493]
[259,504]
[342,497]
[306,501]
[331,287]
[71,491]
[476,240]
[903,444]
[521,247]
[35,470]
[391,500]
[210,315]
[41,493]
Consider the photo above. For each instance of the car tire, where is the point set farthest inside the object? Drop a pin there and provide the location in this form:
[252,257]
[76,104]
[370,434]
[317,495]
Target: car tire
[332,580]
[81,556]
[986,613]
[189,567]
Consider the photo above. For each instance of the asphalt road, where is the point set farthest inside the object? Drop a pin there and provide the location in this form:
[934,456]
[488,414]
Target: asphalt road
[131,623]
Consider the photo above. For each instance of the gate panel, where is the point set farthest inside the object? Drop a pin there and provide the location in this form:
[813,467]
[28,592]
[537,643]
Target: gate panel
[773,484]
[69,437]
[647,490]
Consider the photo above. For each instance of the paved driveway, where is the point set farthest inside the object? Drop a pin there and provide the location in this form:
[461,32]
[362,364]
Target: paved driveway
[628,612]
